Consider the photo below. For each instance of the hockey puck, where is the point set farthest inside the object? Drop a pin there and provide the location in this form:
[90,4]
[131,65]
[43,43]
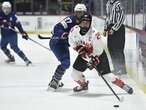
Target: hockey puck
[116,106]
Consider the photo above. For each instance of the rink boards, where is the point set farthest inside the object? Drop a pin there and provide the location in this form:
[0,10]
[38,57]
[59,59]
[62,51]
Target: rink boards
[134,48]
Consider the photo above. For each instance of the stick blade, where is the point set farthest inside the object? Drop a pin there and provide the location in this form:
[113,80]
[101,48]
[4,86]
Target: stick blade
[42,37]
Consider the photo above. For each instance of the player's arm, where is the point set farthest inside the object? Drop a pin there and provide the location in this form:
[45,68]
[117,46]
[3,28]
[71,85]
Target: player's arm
[71,38]
[4,22]
[17,24]
[106,23]
[1,21]
[84,50]
[74,40]
[59,32]
[65,25]
[98,48]
[120,19]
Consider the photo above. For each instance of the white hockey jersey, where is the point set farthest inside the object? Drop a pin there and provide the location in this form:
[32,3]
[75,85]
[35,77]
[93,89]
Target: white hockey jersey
[92,37]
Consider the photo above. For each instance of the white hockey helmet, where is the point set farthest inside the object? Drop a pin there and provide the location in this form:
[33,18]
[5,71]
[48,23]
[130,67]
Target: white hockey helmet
[79,10]
[80,7]
[6,7]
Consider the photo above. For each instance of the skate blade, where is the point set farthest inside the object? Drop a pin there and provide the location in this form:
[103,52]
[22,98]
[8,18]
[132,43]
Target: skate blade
[54,90]
[51,89]
[9,62]
[80,92]
[29,65]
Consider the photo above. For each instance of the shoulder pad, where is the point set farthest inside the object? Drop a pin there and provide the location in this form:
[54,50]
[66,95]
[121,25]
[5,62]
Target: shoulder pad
[74,28]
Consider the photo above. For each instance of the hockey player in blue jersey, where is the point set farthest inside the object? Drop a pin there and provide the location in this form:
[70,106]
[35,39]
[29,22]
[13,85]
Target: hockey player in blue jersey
[8,22]
[59,44]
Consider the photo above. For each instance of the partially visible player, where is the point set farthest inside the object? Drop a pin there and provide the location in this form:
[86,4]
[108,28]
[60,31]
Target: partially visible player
[115,29]
[87,42]
[59,43]
[8,22]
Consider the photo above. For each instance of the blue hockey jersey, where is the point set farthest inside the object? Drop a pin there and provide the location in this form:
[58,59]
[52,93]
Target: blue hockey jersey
[7,22]
[64,26]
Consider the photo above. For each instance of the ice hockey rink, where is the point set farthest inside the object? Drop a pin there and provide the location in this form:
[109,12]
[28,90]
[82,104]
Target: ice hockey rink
[25,88]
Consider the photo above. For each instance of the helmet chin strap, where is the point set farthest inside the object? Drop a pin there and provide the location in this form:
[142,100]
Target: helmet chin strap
[83,30]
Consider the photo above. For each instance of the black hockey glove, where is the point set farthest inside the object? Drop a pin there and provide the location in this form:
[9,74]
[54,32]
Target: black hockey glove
[24,35]
[5,23]
[108,29]
[64,38]
[64,35]
[94,61]
[111,32]
[105,30]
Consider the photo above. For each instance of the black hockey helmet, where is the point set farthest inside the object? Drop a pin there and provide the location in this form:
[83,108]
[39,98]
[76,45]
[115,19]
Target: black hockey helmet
[84,27]
[86,17]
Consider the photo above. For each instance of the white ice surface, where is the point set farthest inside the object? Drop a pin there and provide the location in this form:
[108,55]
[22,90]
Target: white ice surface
[24,88]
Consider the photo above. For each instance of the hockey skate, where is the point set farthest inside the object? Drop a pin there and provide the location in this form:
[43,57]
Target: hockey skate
[28,62]
[127,88]
[10,60]
[123,86]
[83,86]
[55,84]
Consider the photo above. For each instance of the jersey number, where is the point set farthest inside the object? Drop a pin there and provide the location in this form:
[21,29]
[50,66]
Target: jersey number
[68,20]
[65,22]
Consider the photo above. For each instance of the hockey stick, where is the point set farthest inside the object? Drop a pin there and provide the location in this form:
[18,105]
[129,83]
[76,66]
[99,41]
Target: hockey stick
[28,38]
[111,88]
[47,37]
[9,28]
[91,66]
[39,44]
[42,37]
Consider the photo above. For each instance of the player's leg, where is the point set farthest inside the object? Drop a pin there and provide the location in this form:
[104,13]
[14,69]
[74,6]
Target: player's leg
[104,69]
[79,66]
[62,54]
[122,64]
[14,45]
[112,43]
[114,59]
[4,43]
[116,44]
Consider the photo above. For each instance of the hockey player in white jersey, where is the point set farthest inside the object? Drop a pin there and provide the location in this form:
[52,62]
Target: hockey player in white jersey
[91,54]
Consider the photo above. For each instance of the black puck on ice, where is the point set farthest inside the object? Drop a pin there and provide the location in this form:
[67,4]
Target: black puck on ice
[116,105]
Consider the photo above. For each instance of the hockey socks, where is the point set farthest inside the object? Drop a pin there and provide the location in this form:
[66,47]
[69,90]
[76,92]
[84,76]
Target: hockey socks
[54,83]
[26,60]
[11,58]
